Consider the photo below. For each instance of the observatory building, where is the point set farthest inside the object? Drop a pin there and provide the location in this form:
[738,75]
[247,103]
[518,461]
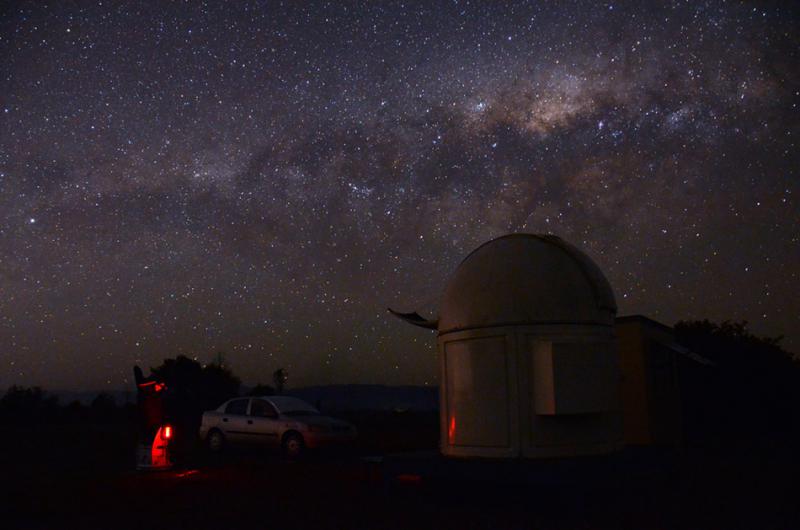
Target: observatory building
[528,363]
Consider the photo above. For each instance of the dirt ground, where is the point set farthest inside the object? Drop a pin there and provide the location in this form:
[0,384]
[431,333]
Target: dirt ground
[70,477]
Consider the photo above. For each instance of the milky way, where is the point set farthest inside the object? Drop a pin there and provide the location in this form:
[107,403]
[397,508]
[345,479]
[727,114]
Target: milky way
[264,179]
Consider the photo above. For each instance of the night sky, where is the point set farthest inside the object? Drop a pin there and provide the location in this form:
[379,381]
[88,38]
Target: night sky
[265,178]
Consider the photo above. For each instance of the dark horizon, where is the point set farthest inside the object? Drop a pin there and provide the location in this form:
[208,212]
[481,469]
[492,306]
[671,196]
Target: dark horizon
[265,179]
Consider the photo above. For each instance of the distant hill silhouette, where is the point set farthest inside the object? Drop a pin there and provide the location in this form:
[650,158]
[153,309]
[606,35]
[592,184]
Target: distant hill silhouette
[369,397]
[329,397]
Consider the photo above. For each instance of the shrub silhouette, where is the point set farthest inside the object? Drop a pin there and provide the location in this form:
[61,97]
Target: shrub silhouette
[23,404]
[752,394]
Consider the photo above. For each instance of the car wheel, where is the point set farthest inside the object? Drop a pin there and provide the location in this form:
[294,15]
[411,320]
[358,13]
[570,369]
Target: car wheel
[216,441]
[293,445]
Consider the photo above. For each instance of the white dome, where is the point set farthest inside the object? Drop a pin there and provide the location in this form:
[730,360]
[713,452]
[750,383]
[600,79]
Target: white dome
[526,279]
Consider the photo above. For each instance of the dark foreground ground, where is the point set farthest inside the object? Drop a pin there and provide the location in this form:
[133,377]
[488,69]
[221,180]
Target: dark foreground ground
[82,476]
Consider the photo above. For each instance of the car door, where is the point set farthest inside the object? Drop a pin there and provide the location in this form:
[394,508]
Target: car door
[234,420]
[262,423]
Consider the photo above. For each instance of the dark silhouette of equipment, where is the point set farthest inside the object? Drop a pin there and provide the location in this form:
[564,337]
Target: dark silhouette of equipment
[155,431]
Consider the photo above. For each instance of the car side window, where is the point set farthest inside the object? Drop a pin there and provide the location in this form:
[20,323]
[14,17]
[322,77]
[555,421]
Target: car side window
[237,406]
[261,408]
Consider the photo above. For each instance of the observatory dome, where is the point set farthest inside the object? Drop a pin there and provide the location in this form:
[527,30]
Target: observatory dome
[522,279]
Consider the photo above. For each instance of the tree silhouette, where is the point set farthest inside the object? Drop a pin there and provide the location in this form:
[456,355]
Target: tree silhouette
[27,404]
[261,390]
[279,377]
[206,387]
[103,407]
[752,394]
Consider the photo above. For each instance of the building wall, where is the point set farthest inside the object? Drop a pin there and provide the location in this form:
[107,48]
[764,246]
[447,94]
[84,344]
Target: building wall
[530,391]
[663,393]
[558,390]
[633,384]
[649,387]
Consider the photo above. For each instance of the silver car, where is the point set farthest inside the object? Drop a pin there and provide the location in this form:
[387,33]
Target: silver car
[278,421]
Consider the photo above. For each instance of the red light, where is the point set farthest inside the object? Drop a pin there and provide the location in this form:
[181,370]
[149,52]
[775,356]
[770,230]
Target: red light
[158,387]
[167,432]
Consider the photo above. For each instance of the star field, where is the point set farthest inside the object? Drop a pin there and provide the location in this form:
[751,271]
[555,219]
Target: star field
[265,178]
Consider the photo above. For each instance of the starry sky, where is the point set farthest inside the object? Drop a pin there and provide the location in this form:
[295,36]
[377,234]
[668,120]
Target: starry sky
[265,178]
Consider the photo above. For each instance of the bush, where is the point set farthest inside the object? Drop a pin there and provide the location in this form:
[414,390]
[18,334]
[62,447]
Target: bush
[22,404]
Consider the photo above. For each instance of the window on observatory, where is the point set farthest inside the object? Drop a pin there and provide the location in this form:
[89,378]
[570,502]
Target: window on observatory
[572,377]
[477,392]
